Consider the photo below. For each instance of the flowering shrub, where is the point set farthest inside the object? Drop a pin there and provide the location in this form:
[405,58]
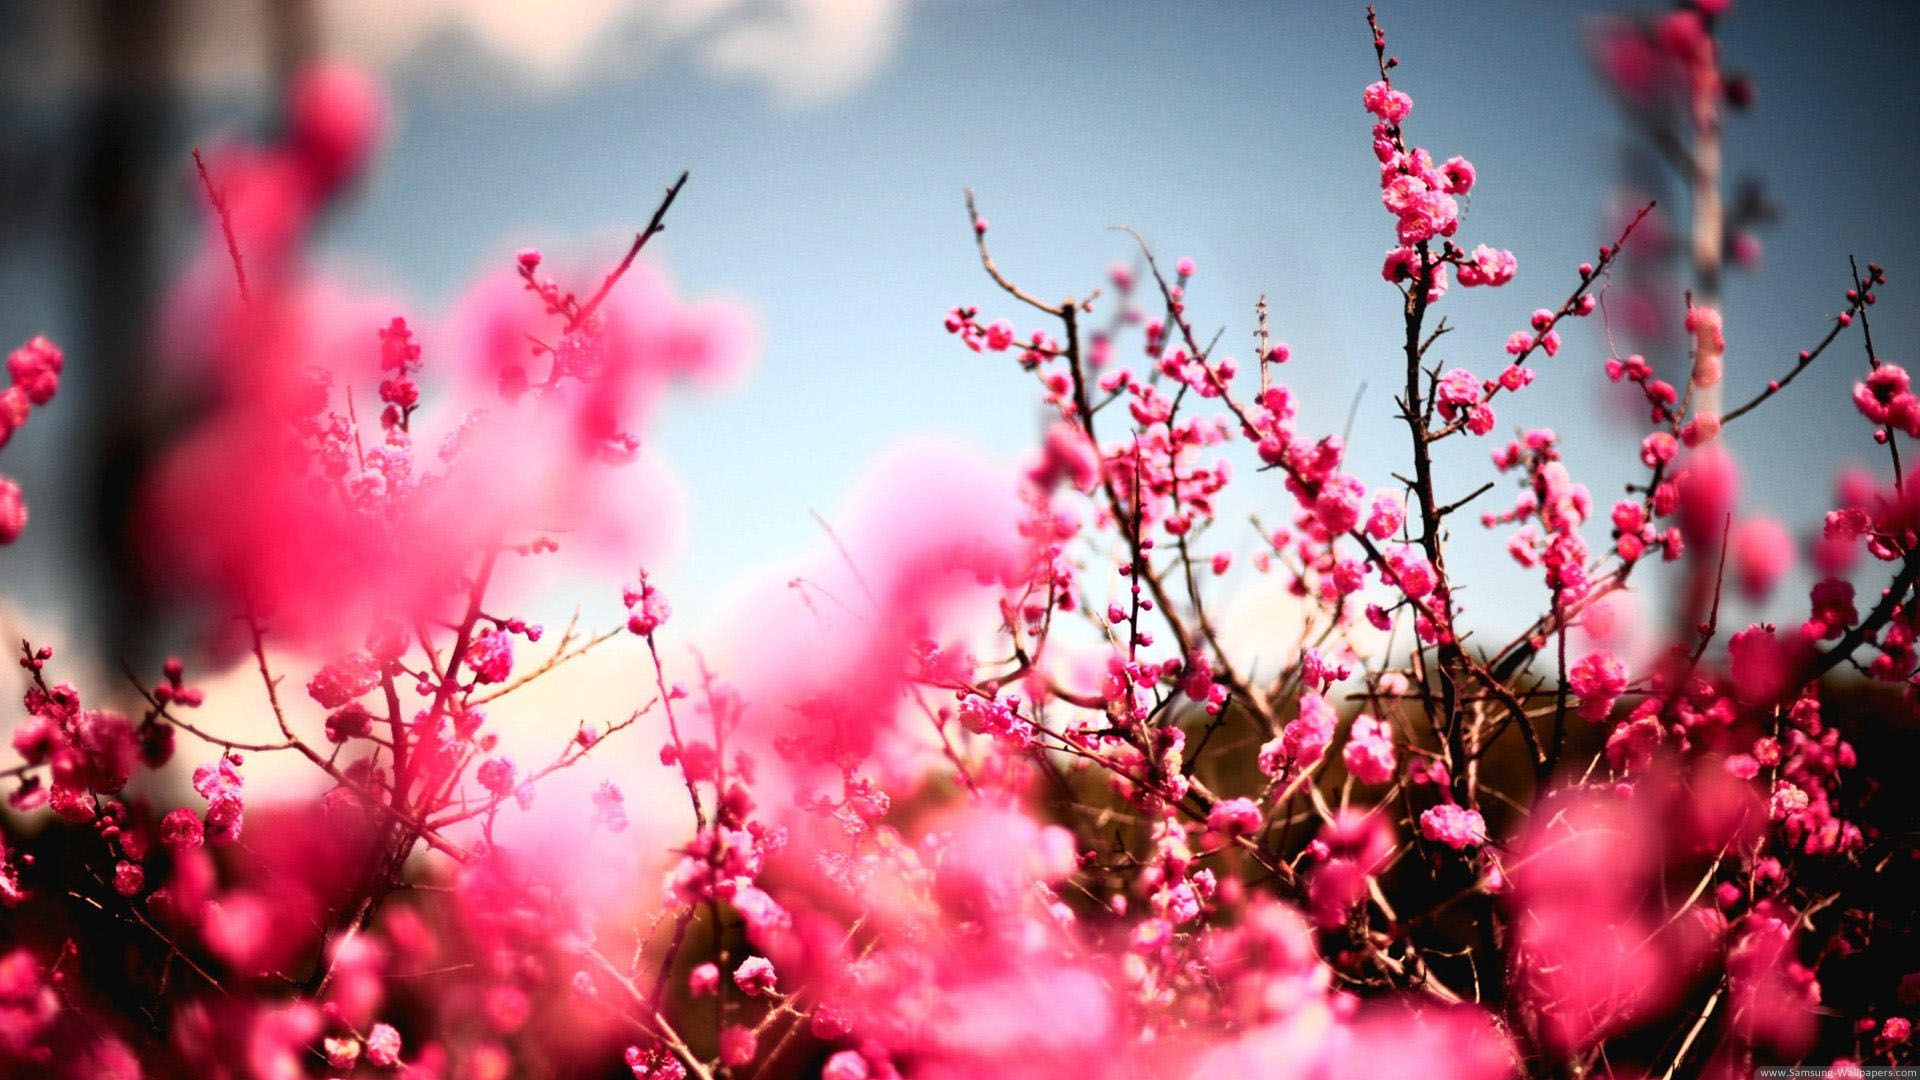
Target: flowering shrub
[996,792]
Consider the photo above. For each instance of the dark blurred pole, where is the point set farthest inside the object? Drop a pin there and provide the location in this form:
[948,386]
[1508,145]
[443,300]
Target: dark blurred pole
[132,152]
[121,170]
[294,35]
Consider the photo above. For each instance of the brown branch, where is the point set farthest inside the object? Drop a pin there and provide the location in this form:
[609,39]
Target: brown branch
[220,211]
[986,260]
[656,225]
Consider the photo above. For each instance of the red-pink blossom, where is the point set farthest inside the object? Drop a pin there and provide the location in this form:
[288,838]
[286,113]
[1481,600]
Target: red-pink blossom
[1455,826]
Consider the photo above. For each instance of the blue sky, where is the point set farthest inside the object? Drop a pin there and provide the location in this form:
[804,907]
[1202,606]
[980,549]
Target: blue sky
[1231,133]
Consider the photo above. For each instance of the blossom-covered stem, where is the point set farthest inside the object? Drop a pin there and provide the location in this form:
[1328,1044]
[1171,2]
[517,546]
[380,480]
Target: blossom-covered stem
[1703,631]
[720,961]
[1863,296]
[173,720]
[1452,720]
[268,679]
[225,217]
[1494,685]
[681,923]
[396,727]
[174,951]
[413,829]
[1060,311]
[569,757]
[947,749]
[1864,631]
[563,653]
[462,638]
[1176,314]
[791,1006]
[1519,651]
[667,697]
[1568,308]
[722,1000]
[401,847]
[650,1018]
[1068,312]
[1449,720]
[657,224]
[1126,519]
[1552,758]
[399,813]
[1804,361]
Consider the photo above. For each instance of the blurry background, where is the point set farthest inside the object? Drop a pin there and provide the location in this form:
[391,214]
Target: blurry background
[829,141]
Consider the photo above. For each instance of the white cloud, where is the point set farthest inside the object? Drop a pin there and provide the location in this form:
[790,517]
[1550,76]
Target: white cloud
[808,50]
[803,51]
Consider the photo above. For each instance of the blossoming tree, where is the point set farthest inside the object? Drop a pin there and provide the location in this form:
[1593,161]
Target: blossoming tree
[996,793]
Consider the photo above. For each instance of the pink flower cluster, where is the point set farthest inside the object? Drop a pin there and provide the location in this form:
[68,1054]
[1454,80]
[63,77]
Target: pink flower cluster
[999,783]
[35,370]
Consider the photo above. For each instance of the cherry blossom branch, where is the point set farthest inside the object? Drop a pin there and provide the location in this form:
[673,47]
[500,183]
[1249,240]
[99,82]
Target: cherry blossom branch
[657,224]
[225,217]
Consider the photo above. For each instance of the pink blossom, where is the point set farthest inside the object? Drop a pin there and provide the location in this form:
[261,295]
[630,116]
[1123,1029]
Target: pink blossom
[1598,679]
[1066,457]
[335,116]
[1337,508]
[1488,266]
[1885,388]
[738,1046]
[1000,336]
[1709,344]
[1658,449]
[1369,750]
[1708,488]
[1460,176]
[1305,737]
[128,878]
[1457,390]
[383,1046]
[755,976]
[35,368]
[497,776]
[1775,994]
[1454,826]
[13,511]
[1833,609]
[1411,571]
[846,1065]
[656,1063]
[350,721]
[343,680]
[1387,103]
[1762,554]
[1757,662]
[703,980]
[647,608]
[491,656]
[1234,817]
[181,829]
[1386,516]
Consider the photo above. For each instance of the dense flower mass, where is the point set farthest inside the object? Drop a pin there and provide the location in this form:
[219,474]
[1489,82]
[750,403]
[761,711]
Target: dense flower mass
[988,787]
[35,370]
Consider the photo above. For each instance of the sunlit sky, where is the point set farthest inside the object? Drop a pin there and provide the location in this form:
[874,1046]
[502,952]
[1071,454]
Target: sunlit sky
[826,197]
